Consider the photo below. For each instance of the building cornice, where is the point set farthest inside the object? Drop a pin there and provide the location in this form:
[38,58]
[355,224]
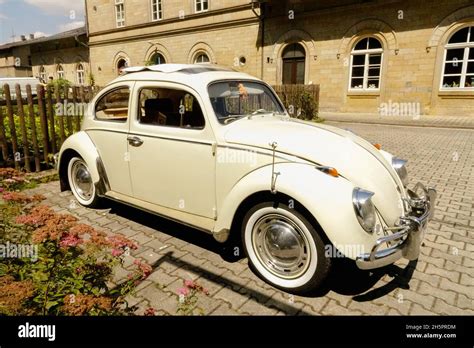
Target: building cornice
[168,33]
[173,20]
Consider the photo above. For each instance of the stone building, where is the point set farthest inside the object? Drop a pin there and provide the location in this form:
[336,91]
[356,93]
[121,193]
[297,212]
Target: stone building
[372,56]
[64,55]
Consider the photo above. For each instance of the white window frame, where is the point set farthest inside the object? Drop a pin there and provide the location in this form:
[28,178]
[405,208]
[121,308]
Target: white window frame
[60,71]
[156,15]
[202,54]
[119,13]
[367,53]
[42,73]
[80,74]
[464,61]
[201,3]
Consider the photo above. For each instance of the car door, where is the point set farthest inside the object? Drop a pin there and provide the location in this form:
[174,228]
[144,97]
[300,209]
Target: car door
[109,134]
[172,163]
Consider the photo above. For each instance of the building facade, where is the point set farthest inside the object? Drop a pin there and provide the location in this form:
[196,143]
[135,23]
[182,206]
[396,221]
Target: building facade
[393,56]
[64,55]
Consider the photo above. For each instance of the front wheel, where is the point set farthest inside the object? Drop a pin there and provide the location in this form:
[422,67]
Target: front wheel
[284,248]
[80,181]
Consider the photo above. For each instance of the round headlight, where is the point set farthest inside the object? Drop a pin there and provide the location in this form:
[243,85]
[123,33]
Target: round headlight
[364,208]
[400,167]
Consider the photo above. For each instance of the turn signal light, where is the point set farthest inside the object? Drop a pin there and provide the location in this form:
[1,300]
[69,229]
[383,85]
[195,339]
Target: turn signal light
[378,146]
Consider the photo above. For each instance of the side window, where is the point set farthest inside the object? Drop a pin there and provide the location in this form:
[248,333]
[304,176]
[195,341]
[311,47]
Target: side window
[169,107]
[113,106]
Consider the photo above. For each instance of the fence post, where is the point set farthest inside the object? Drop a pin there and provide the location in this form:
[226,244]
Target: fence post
[77,118]
[60,118]
[24,135]
[65,111]
[43,120]
[11,119]
[3,138]
[31,112]
[52,124]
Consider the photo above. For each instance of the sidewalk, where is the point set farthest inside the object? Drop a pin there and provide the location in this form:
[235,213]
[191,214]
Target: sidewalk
[465,122]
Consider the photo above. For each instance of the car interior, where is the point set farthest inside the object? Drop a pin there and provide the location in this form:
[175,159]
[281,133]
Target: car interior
[170,107]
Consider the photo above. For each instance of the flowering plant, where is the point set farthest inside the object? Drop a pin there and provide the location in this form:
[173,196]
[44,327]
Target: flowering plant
[188,298]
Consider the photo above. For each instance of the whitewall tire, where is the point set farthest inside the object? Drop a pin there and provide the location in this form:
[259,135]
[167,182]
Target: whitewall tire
[81,183]
[283,248]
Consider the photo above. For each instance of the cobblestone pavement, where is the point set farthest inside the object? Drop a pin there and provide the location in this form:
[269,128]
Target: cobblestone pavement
[441,282]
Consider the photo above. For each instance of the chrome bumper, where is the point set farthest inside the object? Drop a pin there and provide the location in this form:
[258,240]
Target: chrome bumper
[406,241]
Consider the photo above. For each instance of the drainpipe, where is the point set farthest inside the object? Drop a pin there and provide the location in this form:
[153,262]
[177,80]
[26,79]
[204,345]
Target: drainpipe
[261,17]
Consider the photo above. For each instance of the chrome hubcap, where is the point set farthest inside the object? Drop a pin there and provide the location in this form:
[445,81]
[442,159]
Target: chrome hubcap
[281,246]
[82,180]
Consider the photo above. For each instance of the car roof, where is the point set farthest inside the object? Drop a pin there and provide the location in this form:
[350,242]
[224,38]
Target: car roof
[189,74]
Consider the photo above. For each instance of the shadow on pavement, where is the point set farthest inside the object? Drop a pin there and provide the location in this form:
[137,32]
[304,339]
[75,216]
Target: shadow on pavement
[345,278]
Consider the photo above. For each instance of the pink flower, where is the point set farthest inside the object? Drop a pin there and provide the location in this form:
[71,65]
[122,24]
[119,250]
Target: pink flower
[1,189]
[189,284]
[183,291]
[150,312]
[117,252]
[70,241]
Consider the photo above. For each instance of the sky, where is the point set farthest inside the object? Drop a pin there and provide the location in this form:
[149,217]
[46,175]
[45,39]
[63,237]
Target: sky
[39,17]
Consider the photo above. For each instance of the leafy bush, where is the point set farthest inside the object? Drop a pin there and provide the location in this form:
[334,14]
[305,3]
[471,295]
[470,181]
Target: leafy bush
[72,270]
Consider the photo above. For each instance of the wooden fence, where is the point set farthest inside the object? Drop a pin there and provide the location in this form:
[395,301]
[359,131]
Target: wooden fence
[34,126]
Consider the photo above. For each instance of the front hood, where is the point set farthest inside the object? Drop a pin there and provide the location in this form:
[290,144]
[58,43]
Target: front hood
[353,157]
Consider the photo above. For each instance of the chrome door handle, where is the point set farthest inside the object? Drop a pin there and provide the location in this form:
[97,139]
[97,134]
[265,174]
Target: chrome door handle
[135,141]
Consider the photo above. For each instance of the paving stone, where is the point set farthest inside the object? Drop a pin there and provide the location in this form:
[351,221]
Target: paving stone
[235,299]
[427,289]
[253,307]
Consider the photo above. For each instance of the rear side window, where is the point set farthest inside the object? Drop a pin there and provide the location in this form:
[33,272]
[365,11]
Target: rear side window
[113,106]
[168,107]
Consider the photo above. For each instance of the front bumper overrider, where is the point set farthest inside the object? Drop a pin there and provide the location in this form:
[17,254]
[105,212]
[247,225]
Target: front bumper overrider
[405,242]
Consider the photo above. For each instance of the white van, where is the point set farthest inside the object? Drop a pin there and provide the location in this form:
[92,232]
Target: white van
[22,81]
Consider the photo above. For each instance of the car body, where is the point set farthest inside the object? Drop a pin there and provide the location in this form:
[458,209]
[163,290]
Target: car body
[215,149]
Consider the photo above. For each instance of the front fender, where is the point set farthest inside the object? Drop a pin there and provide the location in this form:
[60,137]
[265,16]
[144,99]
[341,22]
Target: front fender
[327,198]
[81,144]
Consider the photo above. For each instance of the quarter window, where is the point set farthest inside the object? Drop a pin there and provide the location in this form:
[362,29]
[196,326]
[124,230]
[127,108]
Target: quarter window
[156,10]
[458,67]
[170,107]
[366,64]
[113,106]
[119,13]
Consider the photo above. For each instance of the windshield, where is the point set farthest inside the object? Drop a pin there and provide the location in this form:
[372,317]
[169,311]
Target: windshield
[232,100]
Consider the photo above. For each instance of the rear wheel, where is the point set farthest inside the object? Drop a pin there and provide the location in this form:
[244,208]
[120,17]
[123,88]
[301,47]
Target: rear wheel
[283,248]
[80,181]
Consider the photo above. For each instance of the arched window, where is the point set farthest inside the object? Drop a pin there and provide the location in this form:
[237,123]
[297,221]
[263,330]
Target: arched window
[157,59]
[42,74]
[366,64]
[458,67]
[80,74]
[60,71]
[202,58]
[121,64]
[294,58]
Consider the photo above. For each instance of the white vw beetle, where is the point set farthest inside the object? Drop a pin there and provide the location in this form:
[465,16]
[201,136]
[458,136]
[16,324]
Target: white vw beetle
[216,150]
